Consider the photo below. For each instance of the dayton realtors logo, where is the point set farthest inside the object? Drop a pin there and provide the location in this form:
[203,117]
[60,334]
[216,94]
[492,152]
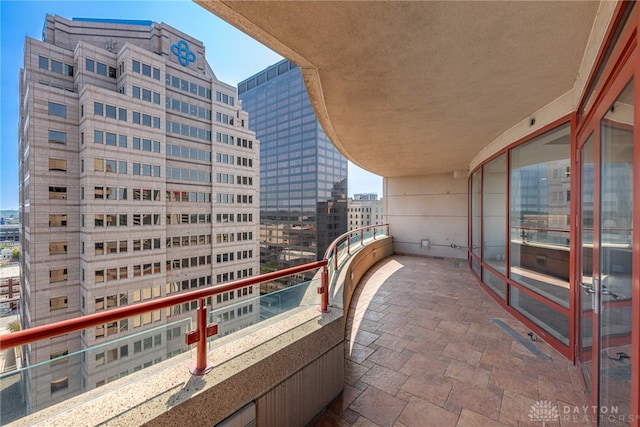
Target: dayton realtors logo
[545,411]
[181,50]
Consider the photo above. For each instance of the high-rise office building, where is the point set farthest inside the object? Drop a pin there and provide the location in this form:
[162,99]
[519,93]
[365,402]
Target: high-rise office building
[138,179]
[303,178]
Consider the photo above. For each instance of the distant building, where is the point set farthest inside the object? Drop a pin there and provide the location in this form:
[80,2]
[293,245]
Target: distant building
[10,233]
[303,178]
[365,211]
[365,196]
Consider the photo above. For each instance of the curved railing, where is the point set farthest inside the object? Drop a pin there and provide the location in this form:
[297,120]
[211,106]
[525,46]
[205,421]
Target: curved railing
[342,247]
[335,252]
[347,239]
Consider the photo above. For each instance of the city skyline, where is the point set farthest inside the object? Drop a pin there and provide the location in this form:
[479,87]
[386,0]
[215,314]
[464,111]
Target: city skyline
[18,21]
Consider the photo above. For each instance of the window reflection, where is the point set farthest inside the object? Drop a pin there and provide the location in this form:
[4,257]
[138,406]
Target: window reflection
[549,319]
[540,194]
[494,200]
[476,190]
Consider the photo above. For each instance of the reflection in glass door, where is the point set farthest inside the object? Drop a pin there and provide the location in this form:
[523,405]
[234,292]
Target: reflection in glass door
[615,256]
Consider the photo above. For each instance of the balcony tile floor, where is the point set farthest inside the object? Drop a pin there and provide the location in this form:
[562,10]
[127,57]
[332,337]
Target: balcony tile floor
[421,350]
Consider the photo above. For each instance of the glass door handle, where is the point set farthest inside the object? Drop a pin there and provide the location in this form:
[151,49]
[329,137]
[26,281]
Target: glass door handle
[611,294]
[588,289]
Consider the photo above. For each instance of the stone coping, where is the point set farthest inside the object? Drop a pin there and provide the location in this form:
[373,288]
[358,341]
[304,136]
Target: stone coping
[150,395]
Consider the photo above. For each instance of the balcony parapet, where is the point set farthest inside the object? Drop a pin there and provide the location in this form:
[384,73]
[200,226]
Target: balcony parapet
[291,366]
[245,370]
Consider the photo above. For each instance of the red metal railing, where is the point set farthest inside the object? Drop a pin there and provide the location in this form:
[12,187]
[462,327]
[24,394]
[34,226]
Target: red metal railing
[203,330]
[333,247]
[198,336]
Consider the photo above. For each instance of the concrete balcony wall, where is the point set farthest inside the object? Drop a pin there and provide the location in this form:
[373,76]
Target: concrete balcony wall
[429,207]
[355,268]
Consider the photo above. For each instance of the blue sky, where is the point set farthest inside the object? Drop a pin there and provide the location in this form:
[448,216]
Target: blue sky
[232,55]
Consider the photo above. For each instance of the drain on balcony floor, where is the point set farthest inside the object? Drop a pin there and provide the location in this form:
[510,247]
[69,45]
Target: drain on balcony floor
[521,340]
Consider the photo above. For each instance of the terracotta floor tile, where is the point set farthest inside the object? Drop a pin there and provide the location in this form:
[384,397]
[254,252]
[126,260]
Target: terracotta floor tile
[424,311]
[426,335]
[388,358]
[357,352]
[329,419]
[462,353]
[433,388]
[515,408]
[479,399]
[399,331]
[393,342]
[420,413]
[490,359]
[455,327]
[514,381]
[421,363]
[364,338]
[468,418]
[378,406]
[433,349]
[350,416]
[369,325]
[556,368]
[398,310]
[342,402]
[404,395]
[377,306]
[401,301]
[353,372]
[385,379]
[364,422]
[399,319]
[469,374]
[373,315]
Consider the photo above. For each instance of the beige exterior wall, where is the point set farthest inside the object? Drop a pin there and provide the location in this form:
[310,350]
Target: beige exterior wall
[430,207]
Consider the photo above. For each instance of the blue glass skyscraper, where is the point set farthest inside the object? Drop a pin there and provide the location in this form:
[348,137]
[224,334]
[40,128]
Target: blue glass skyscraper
[303,179]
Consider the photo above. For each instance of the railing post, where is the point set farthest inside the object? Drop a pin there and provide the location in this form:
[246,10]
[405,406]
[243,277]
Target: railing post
[361,237]
[335,257]
[349,244]
[199,336]
[323,290]
[374,233]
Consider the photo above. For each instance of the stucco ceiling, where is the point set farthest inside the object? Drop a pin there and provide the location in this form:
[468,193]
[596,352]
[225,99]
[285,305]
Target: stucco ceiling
[415,88]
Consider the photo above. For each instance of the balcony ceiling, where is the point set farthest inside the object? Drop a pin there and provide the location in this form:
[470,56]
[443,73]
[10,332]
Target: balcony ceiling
[417,88]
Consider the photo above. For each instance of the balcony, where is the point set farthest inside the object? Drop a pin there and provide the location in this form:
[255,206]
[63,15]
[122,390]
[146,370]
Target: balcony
[425,346]
[422,343]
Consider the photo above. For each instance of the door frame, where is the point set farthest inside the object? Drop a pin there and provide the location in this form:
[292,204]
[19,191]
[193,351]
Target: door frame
[619,74]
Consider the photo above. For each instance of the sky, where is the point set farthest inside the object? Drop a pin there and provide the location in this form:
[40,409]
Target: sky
[233,56]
